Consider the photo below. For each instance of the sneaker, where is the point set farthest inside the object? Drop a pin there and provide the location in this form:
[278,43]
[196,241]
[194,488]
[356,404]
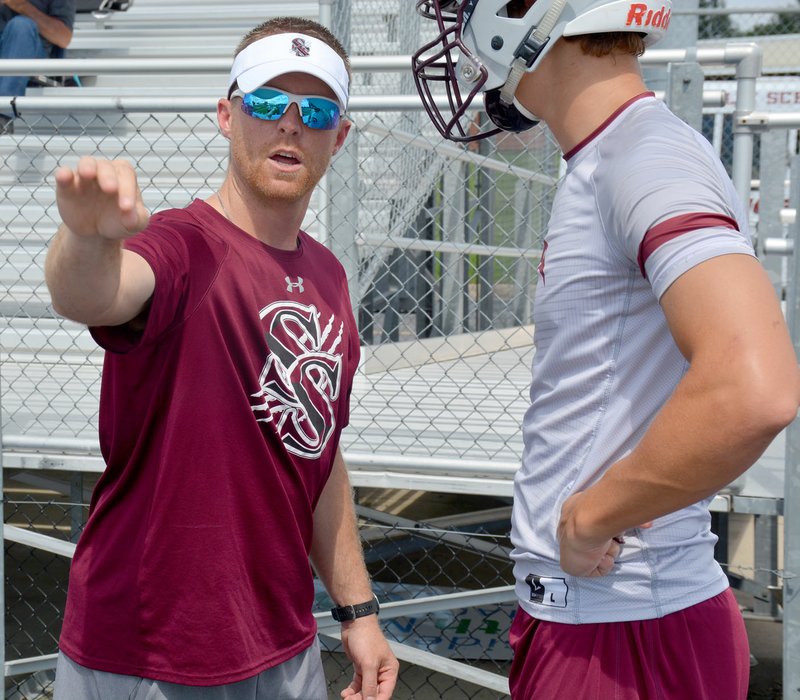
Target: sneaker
[6,125]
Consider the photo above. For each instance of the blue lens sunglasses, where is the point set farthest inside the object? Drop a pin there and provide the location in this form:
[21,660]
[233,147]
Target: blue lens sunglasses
[270,104]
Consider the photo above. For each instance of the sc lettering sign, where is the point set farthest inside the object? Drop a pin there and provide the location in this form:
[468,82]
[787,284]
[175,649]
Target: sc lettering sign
[783,97]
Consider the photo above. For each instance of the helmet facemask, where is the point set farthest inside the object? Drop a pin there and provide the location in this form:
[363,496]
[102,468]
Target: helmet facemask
[448,62]
[434,65]
[467,72]
[480,48]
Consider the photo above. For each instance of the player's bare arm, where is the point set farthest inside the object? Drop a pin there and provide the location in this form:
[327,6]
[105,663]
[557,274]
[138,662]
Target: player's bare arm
[91,278]
[741,389]
[338,559]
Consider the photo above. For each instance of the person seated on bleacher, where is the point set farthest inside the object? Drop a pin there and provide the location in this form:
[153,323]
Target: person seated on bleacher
[31,29]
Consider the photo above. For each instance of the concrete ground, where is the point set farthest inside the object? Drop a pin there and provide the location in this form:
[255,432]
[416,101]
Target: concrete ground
[766,645]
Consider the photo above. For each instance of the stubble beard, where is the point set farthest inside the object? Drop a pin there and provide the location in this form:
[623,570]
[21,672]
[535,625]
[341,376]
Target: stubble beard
[286,188]
[295,188]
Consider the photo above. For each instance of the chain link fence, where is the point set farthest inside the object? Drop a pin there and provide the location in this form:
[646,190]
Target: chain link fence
[406,562]
[440,248]
[441,245]
[775,28]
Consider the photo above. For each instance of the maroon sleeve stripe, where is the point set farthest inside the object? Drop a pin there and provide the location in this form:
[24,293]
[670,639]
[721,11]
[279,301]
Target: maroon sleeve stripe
[677,226]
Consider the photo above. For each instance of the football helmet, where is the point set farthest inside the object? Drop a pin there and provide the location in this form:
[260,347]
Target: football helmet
[485,47]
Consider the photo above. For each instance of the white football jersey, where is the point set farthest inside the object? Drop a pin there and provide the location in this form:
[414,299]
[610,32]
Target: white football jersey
[643,200]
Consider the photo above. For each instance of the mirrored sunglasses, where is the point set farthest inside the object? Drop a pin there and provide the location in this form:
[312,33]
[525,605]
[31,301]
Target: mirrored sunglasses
[271,104]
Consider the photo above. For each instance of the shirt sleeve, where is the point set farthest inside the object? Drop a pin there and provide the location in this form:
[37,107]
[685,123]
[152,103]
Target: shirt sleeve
[166,252]
[673,209]
[63,10]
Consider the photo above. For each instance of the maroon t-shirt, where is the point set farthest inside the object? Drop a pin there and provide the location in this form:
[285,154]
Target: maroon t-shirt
[218,423]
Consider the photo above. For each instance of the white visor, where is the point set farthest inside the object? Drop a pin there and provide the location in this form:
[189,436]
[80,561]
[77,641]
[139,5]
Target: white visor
[278,54]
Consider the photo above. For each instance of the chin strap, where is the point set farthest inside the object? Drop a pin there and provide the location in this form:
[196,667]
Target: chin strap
[524,111]
[530,48]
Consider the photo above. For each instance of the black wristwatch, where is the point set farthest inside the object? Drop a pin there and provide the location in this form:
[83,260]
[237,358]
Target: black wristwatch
[351,612]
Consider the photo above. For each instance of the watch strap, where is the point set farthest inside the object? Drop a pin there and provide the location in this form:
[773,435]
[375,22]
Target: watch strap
[344,613]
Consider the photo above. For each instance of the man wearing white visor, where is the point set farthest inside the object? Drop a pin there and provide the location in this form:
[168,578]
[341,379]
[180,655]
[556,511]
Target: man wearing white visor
[230,354]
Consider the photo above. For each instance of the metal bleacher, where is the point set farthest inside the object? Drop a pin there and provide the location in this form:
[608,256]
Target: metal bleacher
[439,413]
[147,29]
[179,155]
[412,404]
[178,29]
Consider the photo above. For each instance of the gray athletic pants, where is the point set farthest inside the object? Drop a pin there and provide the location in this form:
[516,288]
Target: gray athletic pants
[299,678]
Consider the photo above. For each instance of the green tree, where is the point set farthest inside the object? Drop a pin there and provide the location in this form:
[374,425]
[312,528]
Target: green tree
[784,23]
[714,26]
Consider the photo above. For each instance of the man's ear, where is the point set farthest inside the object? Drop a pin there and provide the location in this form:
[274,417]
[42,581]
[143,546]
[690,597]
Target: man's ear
[341,136]
[224,117]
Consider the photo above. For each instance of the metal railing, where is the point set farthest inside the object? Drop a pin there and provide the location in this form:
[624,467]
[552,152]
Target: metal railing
[462,227]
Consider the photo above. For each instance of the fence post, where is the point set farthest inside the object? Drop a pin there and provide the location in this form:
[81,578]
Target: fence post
[747,70]
[682,32]
[339,185]
[791,499]
[524,239]
[771,199]
[685,92]
[765,529]
[484,233]
[342,213]
[326,13]
[340,20]
[2,563]
[450,312]
[771,194]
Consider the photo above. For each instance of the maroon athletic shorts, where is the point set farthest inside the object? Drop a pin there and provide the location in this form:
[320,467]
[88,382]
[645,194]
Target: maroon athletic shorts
[700,653]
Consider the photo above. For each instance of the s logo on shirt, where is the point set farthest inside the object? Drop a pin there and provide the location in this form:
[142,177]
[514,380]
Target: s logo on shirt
[301,377]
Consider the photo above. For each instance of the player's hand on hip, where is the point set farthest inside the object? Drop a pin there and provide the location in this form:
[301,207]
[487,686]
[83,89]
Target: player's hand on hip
[100,198]
[584,554]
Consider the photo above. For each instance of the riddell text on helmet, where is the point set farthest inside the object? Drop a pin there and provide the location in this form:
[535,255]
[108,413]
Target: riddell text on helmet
[641,15]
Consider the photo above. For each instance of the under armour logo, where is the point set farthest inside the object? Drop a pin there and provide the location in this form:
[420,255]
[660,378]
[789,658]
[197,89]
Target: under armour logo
[300,47]
[291,286]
